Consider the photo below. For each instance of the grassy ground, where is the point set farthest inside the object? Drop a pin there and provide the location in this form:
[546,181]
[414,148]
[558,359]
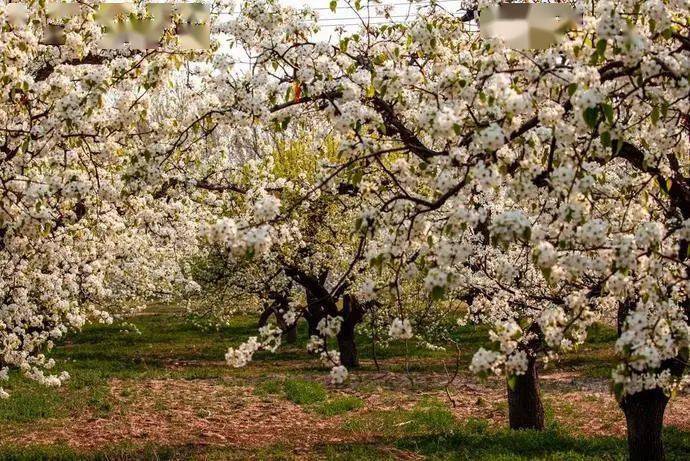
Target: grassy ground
[166,394]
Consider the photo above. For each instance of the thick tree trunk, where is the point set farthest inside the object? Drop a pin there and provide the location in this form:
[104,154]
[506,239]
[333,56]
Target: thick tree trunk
[291,334]
[312,323]
[525,409]
[313,315]
[644,411]
[348,350]
[353,313]
[644,415]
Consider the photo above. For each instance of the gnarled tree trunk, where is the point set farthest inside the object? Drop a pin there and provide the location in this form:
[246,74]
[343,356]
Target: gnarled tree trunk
[353,313]
[280,305]
[322,303]
[525,409]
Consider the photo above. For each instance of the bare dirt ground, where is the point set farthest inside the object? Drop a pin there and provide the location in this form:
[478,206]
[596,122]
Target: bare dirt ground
[221,412]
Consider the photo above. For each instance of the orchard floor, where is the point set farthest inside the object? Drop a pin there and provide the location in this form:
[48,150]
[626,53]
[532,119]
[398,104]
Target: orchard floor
[166,394]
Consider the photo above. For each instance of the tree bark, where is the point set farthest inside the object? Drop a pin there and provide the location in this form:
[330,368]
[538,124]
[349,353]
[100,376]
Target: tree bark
[353,313]
[289,331]
[644,415]
[525,409]
[291,334]
[644,411]
[348,351]
[313,315]
[321,303]
[265,315]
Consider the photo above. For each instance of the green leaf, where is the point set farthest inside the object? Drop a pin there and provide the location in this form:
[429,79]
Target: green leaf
[546,272]
[655,115]
[333,5]
[664,109]
[572,88]
[606,139]
[601,47]
[608,112]
[437,293]
[512,382]
[380,58]
[357,177]
[591,114]
[343,44]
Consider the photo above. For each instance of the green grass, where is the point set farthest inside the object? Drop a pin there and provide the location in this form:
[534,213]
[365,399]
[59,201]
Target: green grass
[115,453]
[102,352]
[430,430]
[429,416]
[471,440]
[338,405]
[128,452]
[357,452]
[304,392]
[479,443]
[268,387]
[170,347]
[594,358]
[310,394]
[29,402]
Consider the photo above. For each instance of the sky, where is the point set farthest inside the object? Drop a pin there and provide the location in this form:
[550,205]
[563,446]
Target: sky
[344,15]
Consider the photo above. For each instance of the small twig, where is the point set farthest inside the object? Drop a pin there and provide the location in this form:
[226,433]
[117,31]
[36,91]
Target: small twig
[455,375]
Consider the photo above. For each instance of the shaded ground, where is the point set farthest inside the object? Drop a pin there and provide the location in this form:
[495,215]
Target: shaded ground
[165,395]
